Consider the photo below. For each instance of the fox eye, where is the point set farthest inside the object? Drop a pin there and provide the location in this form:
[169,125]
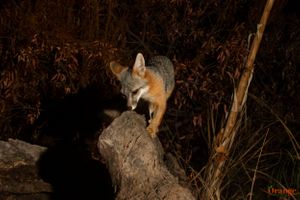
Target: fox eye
[134,92]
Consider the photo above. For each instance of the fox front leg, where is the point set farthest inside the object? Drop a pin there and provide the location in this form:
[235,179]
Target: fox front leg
[151,112]
[159,111]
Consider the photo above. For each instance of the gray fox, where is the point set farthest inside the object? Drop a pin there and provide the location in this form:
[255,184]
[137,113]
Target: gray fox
[153,82]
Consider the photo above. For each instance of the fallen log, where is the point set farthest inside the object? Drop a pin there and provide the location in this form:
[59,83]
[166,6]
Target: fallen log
[135,162]
[19,174]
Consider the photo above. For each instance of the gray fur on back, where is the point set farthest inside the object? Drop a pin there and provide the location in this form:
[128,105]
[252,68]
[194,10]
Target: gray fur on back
[163,66]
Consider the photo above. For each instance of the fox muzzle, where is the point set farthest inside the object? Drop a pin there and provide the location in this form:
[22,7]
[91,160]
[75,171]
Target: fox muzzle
[131,103]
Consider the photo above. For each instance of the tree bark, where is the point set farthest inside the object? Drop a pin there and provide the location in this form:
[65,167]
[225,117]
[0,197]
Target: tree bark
[135,162]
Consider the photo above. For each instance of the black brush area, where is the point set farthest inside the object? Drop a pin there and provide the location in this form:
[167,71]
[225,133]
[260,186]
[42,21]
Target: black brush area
[74,175]
[78,116]
[71,163]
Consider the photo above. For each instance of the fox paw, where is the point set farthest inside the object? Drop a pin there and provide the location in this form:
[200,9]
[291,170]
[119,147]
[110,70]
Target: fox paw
[152,131]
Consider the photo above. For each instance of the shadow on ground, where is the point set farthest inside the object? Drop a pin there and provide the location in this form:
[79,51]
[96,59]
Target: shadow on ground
[74,175]
[71,132]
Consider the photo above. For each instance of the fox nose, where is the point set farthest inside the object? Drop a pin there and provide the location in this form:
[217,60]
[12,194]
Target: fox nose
[131,107]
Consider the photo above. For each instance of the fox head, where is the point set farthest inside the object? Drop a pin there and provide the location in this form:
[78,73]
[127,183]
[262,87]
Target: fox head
[133,82]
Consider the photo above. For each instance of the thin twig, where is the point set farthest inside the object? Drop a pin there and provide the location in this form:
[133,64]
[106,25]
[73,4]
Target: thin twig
[256,167]
[225,138]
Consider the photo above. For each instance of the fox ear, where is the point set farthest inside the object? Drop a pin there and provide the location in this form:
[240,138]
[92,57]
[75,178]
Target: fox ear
[117,69]
[139,65]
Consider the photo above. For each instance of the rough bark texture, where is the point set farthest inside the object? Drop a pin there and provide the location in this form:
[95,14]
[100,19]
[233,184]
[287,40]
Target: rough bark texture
[19,177]
[135,162]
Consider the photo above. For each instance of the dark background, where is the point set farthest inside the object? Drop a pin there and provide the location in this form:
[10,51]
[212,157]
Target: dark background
[55,84]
